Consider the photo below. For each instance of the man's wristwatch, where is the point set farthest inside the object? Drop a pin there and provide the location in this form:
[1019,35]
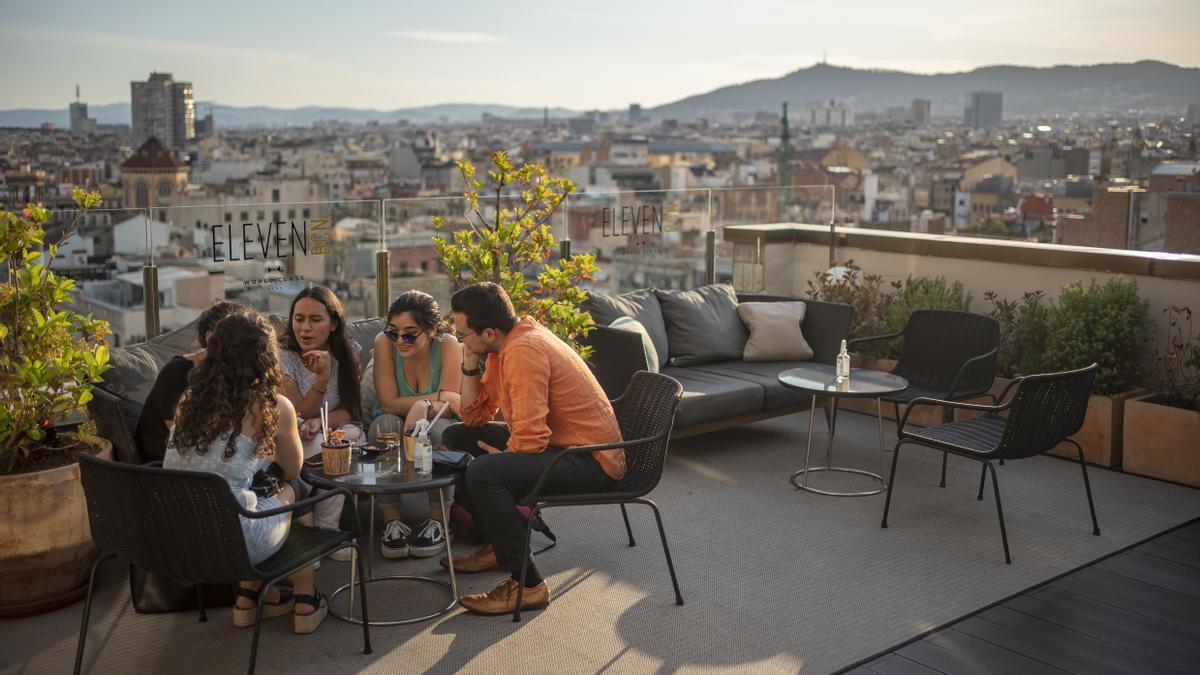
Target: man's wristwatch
[478,370]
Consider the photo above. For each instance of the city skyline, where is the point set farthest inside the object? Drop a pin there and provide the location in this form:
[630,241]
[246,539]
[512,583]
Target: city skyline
[292,55]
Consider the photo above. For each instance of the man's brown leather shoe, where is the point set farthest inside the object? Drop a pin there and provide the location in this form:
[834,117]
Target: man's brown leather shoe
[480,561]
[503,598]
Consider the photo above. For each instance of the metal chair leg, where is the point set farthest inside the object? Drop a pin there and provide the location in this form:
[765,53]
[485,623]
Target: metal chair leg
[200,602]
[887,501]
[362,594]
[1000,513]
[525,562]
[947,417]
[982,477]
[1087,486]
[662,533]
[263,592]
[87,610]
[943,481]
[628,529]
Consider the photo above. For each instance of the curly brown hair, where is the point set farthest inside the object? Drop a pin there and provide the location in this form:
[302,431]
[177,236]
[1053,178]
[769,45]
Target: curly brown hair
[240,373]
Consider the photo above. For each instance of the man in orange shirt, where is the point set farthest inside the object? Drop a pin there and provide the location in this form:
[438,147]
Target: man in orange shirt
[549,400]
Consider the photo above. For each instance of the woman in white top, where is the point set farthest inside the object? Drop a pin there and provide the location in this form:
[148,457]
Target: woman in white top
[320,368]
[233,421]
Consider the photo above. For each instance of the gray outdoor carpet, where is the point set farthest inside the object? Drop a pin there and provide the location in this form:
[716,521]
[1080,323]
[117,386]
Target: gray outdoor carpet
[775,580]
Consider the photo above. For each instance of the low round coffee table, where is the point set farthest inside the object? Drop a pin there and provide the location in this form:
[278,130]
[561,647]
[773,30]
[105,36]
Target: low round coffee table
[388,474]
[820,379]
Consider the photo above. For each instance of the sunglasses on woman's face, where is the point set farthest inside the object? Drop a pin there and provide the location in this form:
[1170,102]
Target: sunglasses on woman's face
[394,335]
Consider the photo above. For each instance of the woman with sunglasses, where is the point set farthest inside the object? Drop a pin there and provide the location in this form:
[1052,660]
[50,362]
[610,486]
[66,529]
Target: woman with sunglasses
[416,373]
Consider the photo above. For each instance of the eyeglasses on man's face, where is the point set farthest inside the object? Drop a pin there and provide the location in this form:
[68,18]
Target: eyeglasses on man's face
[394,335]
[464,336]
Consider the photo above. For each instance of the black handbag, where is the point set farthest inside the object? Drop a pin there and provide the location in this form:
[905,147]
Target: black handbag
[156,594]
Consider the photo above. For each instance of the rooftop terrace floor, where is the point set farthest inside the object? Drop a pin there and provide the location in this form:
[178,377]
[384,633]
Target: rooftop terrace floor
[775,580]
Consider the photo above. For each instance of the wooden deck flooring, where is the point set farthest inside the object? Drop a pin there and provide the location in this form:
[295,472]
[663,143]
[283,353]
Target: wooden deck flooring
[1135,612]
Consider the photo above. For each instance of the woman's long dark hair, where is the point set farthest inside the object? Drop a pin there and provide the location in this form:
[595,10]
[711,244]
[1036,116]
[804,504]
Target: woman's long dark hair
[239,373]
[422,306]
[339,346]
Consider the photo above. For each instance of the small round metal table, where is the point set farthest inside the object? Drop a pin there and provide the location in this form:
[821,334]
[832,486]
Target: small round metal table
[820,380]
[387,473]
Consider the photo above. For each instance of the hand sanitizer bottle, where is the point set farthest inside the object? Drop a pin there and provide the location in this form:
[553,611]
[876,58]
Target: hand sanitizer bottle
[423,449]
[843,364]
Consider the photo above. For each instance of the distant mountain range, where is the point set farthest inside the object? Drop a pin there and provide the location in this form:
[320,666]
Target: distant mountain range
[1104,88]
[263,116]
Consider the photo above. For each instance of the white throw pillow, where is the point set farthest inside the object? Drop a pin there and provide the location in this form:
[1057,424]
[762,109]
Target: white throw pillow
[634,326]
[774,331]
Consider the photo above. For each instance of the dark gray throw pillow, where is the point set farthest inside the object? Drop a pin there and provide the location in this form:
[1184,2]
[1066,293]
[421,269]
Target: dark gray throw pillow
[703,325]
[641,304]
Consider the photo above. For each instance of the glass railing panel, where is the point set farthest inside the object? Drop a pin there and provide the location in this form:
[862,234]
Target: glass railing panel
[263,254]
[741,264]
[641,238]
[103,251]
[409,233]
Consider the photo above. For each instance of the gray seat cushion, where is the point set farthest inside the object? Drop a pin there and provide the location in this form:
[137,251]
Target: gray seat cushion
[642,305]
[708,397]
[766,375]
[703,325]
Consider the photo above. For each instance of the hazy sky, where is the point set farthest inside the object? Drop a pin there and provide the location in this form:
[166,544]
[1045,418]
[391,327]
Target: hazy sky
[600,54]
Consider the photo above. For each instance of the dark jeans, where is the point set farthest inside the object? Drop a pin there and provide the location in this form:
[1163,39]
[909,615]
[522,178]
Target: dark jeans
[494,483]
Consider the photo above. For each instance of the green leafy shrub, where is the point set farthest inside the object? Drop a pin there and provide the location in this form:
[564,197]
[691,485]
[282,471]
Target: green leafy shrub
[1022,332]
[924,293]
[515,242]
[1106,324]
[1175,369]
[864,292]
[49,355]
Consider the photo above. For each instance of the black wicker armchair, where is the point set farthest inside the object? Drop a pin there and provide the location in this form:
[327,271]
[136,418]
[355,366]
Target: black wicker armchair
[105,409]
[1045,410]
[946,355]
[646,412]
[185,526]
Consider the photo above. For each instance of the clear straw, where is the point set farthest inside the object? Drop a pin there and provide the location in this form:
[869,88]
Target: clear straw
[445,404]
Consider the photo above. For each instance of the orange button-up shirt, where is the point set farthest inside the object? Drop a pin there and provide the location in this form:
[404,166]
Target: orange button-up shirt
[548,396]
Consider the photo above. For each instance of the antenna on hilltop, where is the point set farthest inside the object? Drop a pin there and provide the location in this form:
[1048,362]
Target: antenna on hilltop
[825,57]
[77,93]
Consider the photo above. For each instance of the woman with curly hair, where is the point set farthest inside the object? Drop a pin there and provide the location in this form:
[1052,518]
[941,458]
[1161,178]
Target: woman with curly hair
[320,368]
[234,421]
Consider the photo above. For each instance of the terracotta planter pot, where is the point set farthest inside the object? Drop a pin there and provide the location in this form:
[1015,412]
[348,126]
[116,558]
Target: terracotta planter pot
[46,548]
[1161,441]
[1102,435]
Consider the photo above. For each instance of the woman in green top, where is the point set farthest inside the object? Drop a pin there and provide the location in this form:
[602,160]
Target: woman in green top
[416,371]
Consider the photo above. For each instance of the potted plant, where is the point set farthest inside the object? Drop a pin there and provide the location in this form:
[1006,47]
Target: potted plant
[509,246]
[1105,324]
[1022,338]
[1161,428]
[49,358]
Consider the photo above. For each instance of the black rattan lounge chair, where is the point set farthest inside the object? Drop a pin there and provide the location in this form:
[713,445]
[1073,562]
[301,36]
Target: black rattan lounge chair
[646,413]
[1043,412]
[184,525]
[946,355]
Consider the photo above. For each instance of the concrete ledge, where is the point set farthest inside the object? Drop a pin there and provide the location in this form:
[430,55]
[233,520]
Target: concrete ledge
[1162,265]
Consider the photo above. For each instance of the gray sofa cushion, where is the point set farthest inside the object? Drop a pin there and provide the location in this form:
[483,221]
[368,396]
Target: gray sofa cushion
[708,397]
[703,325]
[763,373]
[642,305]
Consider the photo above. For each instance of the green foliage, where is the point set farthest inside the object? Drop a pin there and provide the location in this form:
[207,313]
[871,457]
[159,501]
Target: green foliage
[1105,324]
[49,355]
[515,242]
[924,293]
[1022,332]
[1175,370]
[864,292]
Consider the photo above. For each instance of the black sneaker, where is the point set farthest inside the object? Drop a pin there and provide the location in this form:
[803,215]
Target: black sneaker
[395,540]
[429,541]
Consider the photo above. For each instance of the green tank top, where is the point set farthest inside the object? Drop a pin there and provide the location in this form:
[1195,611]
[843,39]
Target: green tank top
[435,373]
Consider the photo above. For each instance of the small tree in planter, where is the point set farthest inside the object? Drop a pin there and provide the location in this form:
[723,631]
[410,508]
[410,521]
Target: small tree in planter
[1161,428]
[866,293]
[1105,324]
[49,355]
[49,358]
[921,293]
[515,242]
[1022,333]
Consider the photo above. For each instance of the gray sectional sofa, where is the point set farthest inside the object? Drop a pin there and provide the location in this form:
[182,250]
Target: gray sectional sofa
[718,393]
